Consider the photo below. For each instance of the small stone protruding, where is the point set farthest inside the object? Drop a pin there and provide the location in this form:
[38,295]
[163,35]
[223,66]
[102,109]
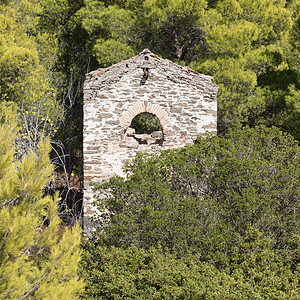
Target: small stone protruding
[130,131]
[141,138]
[129,143]
[157,135]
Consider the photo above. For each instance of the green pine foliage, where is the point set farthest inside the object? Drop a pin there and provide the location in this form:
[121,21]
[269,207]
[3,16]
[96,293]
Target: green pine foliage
[38,258]
[248,47]
[27,56]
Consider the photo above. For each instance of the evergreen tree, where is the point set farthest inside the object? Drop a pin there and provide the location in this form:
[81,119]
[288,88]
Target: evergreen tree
[42,66]
[26,59]
[111,38]
[38,258]
[247,55]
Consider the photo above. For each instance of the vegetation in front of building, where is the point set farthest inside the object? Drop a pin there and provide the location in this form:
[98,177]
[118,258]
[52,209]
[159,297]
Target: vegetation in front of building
[215,220]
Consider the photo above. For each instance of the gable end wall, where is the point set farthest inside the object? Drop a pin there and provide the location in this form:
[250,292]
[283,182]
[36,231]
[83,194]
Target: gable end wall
[185,111]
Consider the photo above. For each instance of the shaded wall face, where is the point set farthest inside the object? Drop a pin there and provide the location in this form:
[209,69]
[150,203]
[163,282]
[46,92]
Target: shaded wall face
[184,110]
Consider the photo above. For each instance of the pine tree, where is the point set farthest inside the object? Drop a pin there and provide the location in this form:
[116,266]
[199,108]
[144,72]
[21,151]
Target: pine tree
[38,258]
[247,45]
[27,76]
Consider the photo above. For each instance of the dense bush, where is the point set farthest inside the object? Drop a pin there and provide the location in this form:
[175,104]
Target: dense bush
[115,273]
[217,220]
[255,272]
[204,197]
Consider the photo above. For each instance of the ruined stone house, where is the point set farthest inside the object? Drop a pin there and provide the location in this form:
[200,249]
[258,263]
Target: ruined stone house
[183,101]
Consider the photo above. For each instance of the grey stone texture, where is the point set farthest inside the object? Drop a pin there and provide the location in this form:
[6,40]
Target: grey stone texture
[184,101]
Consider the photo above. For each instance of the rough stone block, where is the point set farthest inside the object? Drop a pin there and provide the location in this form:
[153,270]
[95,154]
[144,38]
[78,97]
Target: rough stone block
[130,131]
[157,134]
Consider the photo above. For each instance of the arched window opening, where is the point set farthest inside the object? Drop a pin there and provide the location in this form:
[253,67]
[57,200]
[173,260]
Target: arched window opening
[146,123]
[146,129]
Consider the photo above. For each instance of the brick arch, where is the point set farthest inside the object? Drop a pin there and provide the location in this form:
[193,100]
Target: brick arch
[139,108]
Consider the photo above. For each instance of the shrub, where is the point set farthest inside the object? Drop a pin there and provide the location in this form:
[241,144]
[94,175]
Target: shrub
[202,198]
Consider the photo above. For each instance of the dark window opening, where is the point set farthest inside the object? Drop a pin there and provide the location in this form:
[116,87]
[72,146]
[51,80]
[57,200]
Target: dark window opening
[146,123]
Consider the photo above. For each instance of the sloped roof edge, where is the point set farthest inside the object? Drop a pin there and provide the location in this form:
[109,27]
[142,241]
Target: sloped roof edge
[149,60]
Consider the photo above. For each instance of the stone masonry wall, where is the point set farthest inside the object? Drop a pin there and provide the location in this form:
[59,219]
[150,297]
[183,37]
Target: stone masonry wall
[184,101]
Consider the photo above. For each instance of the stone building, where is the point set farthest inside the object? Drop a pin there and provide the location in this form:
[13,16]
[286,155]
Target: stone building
[184,101]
